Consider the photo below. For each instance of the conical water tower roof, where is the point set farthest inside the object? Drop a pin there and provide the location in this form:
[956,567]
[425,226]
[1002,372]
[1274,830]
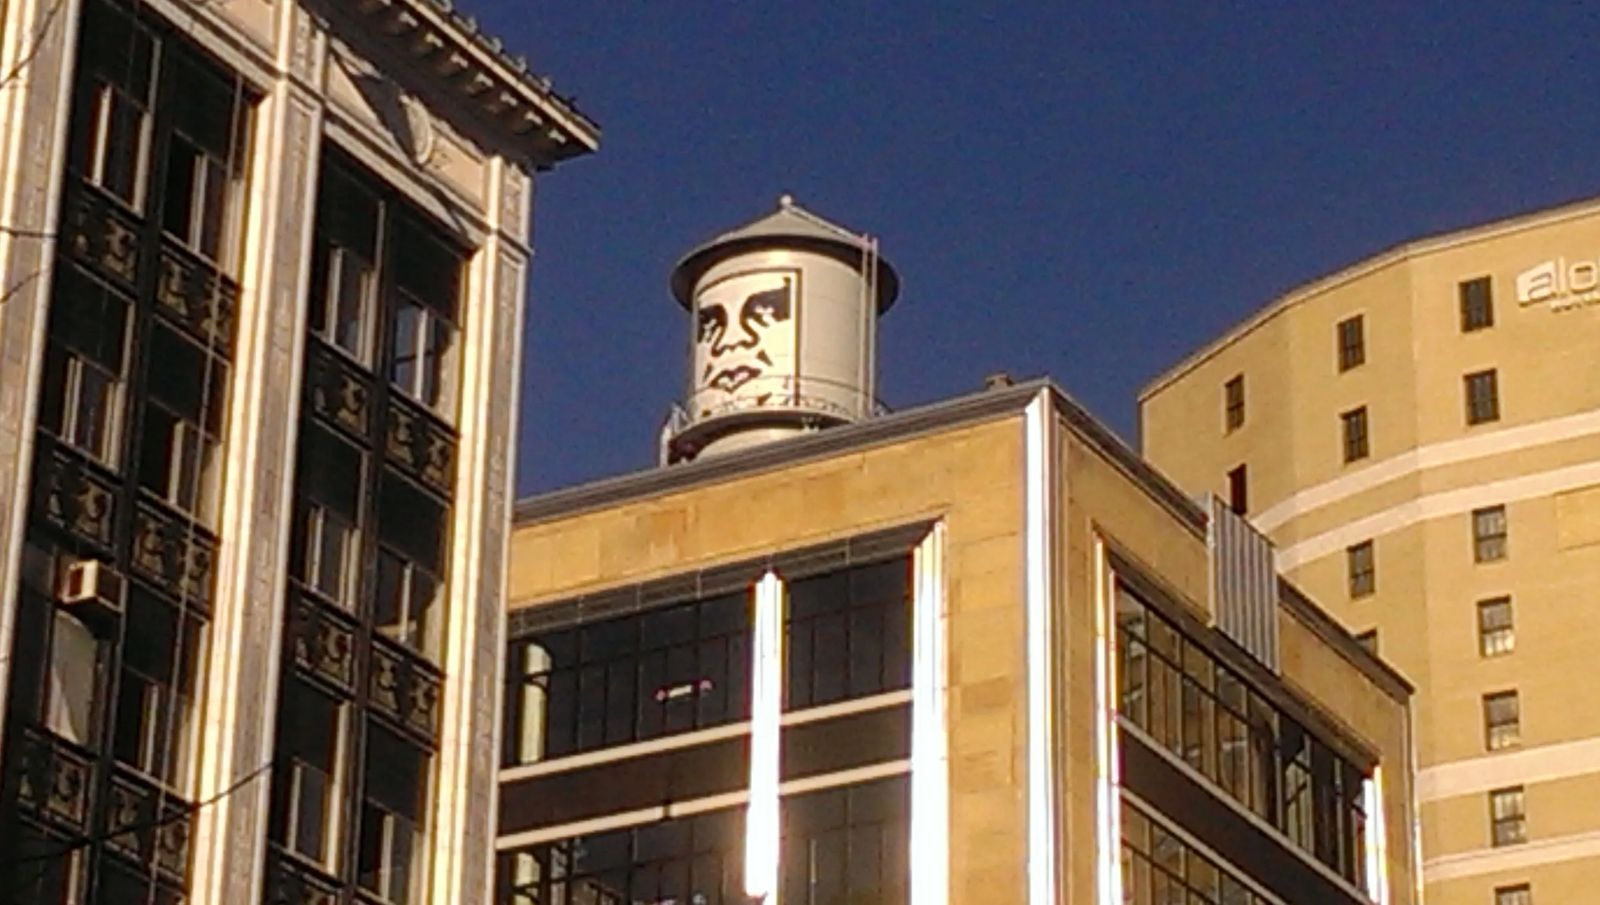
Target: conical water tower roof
[789,226]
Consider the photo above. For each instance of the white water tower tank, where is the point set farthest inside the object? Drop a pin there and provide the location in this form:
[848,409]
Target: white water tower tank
[783,329]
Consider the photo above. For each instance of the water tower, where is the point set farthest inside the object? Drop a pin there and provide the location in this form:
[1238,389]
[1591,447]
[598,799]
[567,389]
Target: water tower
[783,327]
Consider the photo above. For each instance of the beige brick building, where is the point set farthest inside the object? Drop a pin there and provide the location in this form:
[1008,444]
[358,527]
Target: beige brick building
[1420,435]
[1008,669]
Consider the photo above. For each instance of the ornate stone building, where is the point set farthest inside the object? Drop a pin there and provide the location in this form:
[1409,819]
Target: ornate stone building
[263,267]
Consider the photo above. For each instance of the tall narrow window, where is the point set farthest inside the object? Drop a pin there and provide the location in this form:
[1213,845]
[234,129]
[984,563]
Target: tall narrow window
[180,452]
[1362,568]
[1238,490]
[527,704]
[203,166]
[1477,304]
[111,128]
[343,276]
[422,331]
[1352,343]
[306,810]
[391,851]
[1508,822]
[1502,720]
[1489,534]
[1521,894]
[156,694]
[325,552]
[1354,425]
[81,400]
[1482,396]
[1496,634]
[1233,403]
[74,672]
[412,528]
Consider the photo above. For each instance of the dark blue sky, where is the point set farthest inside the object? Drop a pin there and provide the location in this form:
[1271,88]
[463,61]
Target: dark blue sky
[1084,190]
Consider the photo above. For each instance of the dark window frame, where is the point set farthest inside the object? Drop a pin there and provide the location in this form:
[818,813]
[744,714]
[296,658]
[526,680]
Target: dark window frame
[1192,705]
[1476,298]
[1350,342]
[1491,534]
[1508,817]
[1481,392]
[1239,489]
[1502,720]
[593,680]
[1496,633]
[1353,427]
[871,628]
[1233,413]
[1361,569]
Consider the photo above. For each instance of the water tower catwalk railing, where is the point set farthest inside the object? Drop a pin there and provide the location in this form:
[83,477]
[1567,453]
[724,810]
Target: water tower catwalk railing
[828,401]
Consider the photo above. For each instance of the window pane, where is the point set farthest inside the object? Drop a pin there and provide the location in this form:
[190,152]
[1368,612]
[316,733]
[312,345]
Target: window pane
[394,802]
[408,326]
[93,421]
[74,665]
[181,198]
[412,521]
[348,303]
[120,148]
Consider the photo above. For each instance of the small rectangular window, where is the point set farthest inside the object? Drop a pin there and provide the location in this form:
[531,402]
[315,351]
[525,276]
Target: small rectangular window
[1482,397]
[406,608]
[423,345]
[1496,633]
[1238,490]
[1352,343]
[82,403]
[1477,304]
[1354,425]
[1362,568]
[1233,403]
[1502,720]
[1489,534]
[1521,894]
[1508,822]
[112,141]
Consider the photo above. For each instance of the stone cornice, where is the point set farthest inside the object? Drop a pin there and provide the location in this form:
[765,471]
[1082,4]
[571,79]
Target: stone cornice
[497,86]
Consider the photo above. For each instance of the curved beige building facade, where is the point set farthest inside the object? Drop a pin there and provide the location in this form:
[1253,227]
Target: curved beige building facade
[1420,435]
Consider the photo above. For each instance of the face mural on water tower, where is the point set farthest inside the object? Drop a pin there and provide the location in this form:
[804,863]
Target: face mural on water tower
[745,341]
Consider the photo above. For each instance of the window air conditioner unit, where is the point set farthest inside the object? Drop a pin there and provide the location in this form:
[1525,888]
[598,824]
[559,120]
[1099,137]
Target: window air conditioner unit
[92,591]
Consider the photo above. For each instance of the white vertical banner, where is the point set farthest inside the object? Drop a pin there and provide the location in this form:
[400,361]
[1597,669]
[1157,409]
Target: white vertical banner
[1108,780]
[930,757]
[1377,838]
[1040,595]
[761,838]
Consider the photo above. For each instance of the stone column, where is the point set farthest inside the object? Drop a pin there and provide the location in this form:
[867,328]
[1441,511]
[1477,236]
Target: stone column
[36,62]
[469,750]
[246,641]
